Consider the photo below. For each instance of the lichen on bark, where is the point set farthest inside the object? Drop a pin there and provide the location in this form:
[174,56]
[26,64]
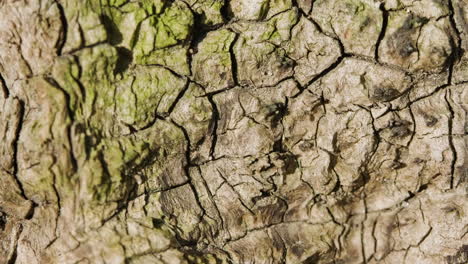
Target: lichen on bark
[233,131]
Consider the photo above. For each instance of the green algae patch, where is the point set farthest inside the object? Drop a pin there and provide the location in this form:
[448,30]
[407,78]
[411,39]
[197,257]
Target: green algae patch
[261,58]
[111,164]
[278,28]
[47,167]
[145,93]
[88,78]
[209,11]
[212,65]
[84,24]
[158,35]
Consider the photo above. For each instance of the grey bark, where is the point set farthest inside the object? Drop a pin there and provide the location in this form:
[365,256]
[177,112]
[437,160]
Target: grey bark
[239,131]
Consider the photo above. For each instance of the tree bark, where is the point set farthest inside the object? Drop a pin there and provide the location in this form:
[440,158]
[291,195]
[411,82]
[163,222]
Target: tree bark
[240,131]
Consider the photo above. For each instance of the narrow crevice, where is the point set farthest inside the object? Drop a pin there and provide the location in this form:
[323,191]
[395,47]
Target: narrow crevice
[179,97]
[82,47]
[363,227]
[312,7]
[456,54]
[371,59]
[14,255]
[187,167]
[73,159]
[320,75]
[78,79]
[436,90]
[59,203]
[374,237]
[212,199]
[106,175]
[147,126]
[63,39]
[284,253]
[375,146]
[413,133]
[299,13]
[4,87]
[234,65]
[21,114]
[178,75]
[214,126]
[136,35]
[383,30]
[450,139]
[3,221]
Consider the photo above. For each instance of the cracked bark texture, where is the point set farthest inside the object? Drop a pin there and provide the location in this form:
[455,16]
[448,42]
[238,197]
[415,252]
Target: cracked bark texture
[237,131]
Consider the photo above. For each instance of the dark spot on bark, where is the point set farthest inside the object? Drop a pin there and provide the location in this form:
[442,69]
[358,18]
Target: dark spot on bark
[365,23]
[31,211]
[320,199]
[400,128]
[3,221]
[361,181]
[124,60]
[406,48]
[272,213]
[286,63]
[222,75]
[385,94]
[314,259]
[413,21]
[397,165]
[306,145]
[264,194]
[430,120]
[402,44]
[158,223]
[190,243]
[460,258]
[80,128]
[275,113]
[297,250]
[226,12]
[239,218]
[451,209]
[278,146]
[114,36]
[290,164]
[14,256]
[401,41]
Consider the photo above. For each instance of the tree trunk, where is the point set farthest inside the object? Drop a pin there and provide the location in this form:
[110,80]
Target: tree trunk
[241,131]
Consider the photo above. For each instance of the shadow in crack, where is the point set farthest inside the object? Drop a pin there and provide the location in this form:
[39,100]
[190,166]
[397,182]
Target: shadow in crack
[114,36]
[124,60]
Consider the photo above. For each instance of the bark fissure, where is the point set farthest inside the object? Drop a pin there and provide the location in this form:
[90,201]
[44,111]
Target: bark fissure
[233,131]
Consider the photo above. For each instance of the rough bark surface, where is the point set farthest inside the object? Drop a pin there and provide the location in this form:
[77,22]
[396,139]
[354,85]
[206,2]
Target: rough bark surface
[237,131]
